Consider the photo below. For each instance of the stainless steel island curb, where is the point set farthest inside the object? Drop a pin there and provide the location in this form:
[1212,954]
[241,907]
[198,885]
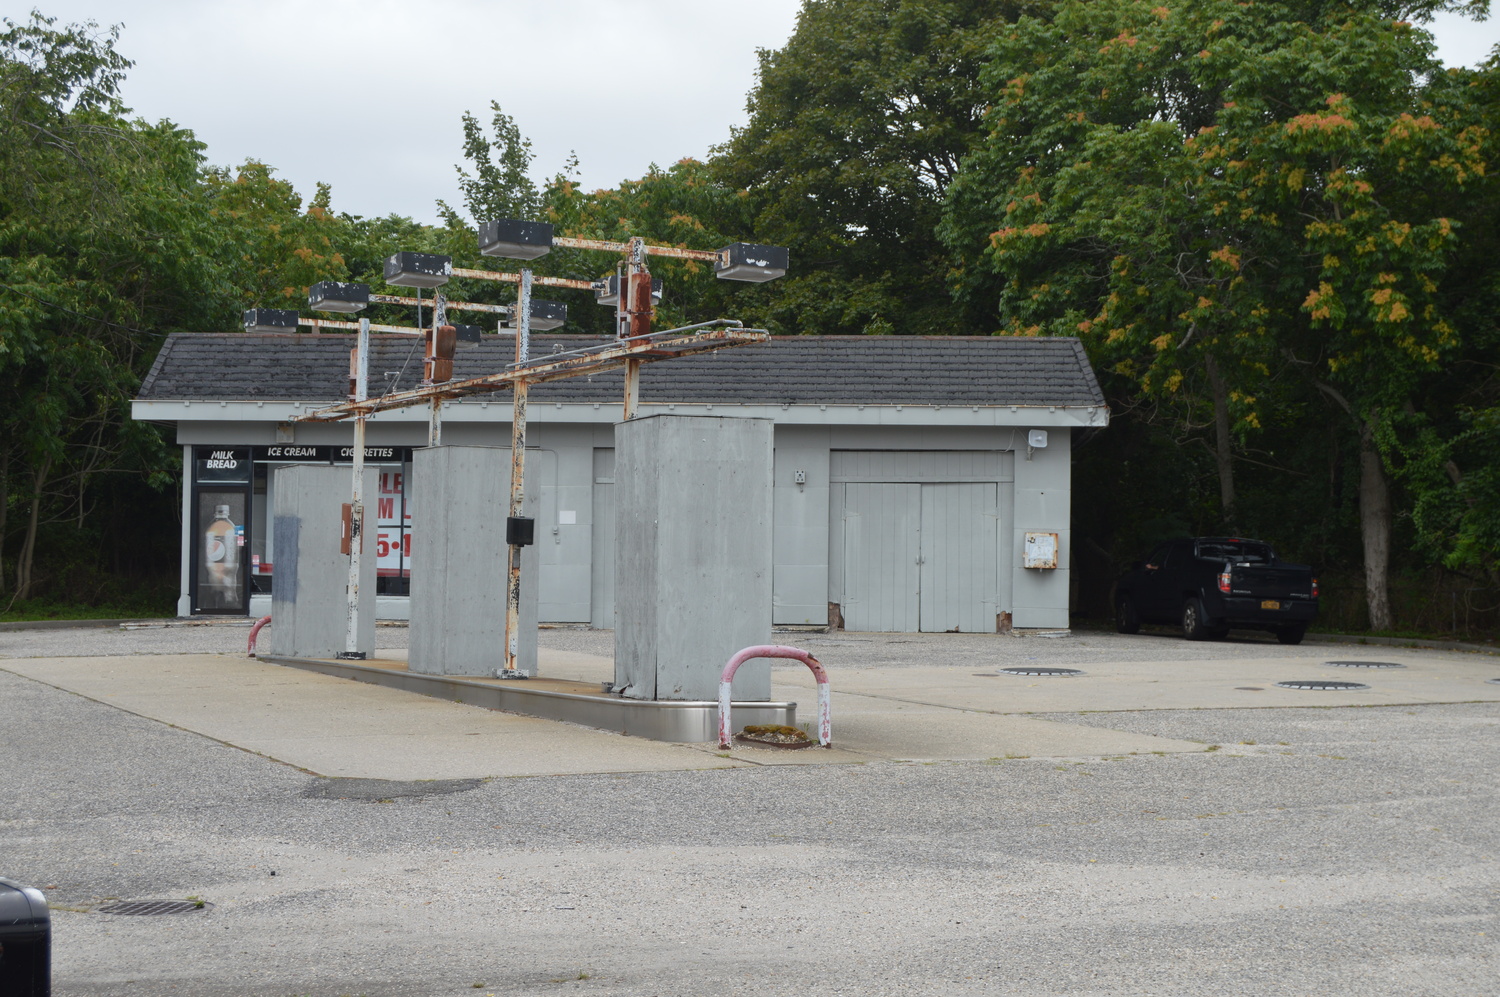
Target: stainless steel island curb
[680,721]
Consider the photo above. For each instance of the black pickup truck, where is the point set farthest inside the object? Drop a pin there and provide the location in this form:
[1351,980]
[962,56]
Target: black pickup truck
[1209,585]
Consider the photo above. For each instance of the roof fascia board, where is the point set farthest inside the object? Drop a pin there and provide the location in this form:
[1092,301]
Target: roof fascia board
[498,409]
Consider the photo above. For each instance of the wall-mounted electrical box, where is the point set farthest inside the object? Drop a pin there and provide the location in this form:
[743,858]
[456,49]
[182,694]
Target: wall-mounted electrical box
[1040,551]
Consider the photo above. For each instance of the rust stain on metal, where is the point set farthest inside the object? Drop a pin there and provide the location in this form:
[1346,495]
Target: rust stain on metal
[573,364]
[515,278]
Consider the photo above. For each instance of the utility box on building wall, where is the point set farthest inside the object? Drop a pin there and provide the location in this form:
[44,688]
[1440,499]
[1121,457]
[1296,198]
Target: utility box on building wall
[310,599]
[693,555]
[459,498]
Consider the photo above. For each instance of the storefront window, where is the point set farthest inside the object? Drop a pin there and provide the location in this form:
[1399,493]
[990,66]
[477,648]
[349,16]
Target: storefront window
[234,498]
[221,499]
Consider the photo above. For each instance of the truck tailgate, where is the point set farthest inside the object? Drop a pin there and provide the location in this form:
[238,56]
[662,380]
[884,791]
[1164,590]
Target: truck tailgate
[1270,581]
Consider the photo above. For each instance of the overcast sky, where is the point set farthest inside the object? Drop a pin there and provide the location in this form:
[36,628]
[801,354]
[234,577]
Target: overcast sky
[368,95]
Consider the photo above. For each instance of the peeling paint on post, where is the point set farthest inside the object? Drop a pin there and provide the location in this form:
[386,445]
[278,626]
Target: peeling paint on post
[517,479]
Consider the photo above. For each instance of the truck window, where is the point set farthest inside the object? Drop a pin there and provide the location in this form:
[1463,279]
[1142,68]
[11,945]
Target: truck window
[1237,551]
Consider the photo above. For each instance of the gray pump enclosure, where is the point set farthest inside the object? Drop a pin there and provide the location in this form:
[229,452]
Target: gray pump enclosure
[459,500]
[693,555]
[310,602]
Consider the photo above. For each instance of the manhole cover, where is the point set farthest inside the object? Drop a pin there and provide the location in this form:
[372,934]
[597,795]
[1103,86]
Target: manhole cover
[1322,685]
[1036,670]
[150,908]
[1364,664]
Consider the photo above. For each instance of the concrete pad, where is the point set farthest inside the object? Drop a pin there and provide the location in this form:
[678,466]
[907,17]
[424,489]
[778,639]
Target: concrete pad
[331,726]
[1105,686]
[914,732]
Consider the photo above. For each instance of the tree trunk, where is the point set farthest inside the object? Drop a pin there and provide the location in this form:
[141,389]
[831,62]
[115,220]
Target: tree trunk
[1375,528]
[1223,454]
[28,546]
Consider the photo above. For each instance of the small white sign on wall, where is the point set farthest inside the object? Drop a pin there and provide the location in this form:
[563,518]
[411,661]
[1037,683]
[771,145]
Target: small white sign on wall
[1041,551]
[567,517]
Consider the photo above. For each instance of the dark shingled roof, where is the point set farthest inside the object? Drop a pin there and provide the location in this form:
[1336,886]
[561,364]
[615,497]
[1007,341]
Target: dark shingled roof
[797,370]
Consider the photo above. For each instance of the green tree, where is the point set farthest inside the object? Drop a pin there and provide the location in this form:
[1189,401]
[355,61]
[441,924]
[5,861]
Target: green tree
[1237,194]
[857,127]
[104,243]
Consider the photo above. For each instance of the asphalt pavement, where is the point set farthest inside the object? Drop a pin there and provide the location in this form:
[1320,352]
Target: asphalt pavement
[1169,821]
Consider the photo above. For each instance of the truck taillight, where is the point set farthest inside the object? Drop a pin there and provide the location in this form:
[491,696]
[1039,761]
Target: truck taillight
[1224,582]
[1315,588]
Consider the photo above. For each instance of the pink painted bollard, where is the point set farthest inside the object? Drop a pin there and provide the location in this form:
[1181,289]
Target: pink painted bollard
[255,631]
[825,724]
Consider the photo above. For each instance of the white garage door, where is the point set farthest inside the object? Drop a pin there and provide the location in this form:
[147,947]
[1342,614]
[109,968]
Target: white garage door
[920,555]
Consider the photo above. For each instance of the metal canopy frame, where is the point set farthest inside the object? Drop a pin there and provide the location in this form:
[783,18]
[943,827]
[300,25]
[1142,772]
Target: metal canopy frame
[613,355]
[634,345]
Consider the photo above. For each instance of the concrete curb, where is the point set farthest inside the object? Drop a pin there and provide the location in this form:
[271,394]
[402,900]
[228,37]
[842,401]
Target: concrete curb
[71,624]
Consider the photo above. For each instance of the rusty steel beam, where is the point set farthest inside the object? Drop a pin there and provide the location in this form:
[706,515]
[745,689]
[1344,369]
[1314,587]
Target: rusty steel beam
[318,324]
[674,252]
[465,306]
[609,357]
[515,278]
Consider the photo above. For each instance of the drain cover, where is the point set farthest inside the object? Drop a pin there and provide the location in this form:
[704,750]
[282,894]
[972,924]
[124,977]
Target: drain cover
[150,908]
[1364,664]
[1493,681]
[1322,684]
[1036,670]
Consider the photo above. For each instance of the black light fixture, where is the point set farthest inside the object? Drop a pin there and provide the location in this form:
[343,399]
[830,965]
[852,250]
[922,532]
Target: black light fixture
[418,269]
[544,315]
[338,296]
[515,239]
[747,261]
[468,336]
[270,320]
[607,290]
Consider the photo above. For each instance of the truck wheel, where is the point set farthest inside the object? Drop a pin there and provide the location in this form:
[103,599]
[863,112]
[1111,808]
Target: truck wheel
[1193,626]
[1291,635]
[1127,620]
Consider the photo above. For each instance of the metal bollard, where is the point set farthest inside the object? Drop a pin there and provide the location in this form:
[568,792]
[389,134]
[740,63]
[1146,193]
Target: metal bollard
[726,678]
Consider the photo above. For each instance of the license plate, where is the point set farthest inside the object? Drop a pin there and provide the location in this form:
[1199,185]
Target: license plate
[1270,604]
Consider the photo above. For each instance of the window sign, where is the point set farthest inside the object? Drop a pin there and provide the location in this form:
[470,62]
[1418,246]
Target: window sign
[381,454]
[222,465]
[291,453]
[393,524]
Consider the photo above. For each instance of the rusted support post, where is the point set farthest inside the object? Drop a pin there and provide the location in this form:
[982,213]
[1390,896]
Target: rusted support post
[635,298]
[435,416]
[357,505]
[522,323]
[726,683]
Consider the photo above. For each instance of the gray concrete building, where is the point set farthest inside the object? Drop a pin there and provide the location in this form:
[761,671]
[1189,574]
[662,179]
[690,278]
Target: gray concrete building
[920,484]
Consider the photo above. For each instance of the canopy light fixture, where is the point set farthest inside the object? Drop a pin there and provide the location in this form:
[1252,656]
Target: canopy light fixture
[544,315]
[418,269]
[338,296]
[607,290]
[515,239]
[270,320]
[468,336]
[747,261]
